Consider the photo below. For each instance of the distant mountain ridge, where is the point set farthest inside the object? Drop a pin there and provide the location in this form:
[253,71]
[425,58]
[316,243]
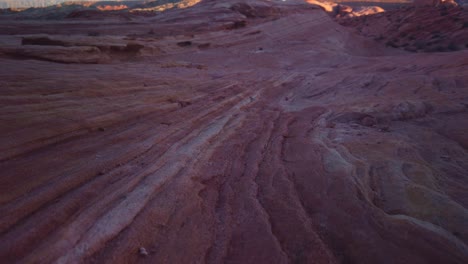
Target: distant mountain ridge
[121,9]
[30,3]
[40,3]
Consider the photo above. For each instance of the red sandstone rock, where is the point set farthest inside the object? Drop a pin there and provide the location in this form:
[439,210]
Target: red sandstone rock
[230,153]
[421,29]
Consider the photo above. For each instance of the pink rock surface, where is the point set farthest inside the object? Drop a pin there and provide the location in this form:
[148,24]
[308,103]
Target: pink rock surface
[239,133]
[416,29]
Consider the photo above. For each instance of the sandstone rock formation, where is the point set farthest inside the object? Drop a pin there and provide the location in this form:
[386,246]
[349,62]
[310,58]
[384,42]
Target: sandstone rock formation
[96,10]
[289,139]
[422,29]
[345,10]
[425,3]
[29,3]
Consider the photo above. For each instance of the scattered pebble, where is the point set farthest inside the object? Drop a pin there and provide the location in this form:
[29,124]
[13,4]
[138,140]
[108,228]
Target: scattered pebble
[142,251]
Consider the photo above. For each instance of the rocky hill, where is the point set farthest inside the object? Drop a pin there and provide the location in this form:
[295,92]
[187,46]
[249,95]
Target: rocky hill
[46,3]
[422,29]
[229,131]
[97,9]
[31,3]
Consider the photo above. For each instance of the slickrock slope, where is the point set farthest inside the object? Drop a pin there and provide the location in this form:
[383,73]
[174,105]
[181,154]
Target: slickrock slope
[236,133]
[421,29]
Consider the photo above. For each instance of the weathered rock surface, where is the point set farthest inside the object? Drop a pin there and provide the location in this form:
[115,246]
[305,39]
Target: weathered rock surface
[290,139]
[420,29]
[96,10]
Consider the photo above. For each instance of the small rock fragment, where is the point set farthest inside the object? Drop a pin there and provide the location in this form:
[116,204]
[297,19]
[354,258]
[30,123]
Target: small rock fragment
[142,251]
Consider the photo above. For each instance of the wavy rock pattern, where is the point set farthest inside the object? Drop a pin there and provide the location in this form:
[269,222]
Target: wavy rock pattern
[287,140]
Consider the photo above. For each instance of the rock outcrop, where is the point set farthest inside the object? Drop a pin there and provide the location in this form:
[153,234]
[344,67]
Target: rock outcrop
[290,139]
[426,3]
[416,29]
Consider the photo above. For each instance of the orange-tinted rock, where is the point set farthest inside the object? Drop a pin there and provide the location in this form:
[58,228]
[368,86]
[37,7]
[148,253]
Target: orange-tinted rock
[112,8]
